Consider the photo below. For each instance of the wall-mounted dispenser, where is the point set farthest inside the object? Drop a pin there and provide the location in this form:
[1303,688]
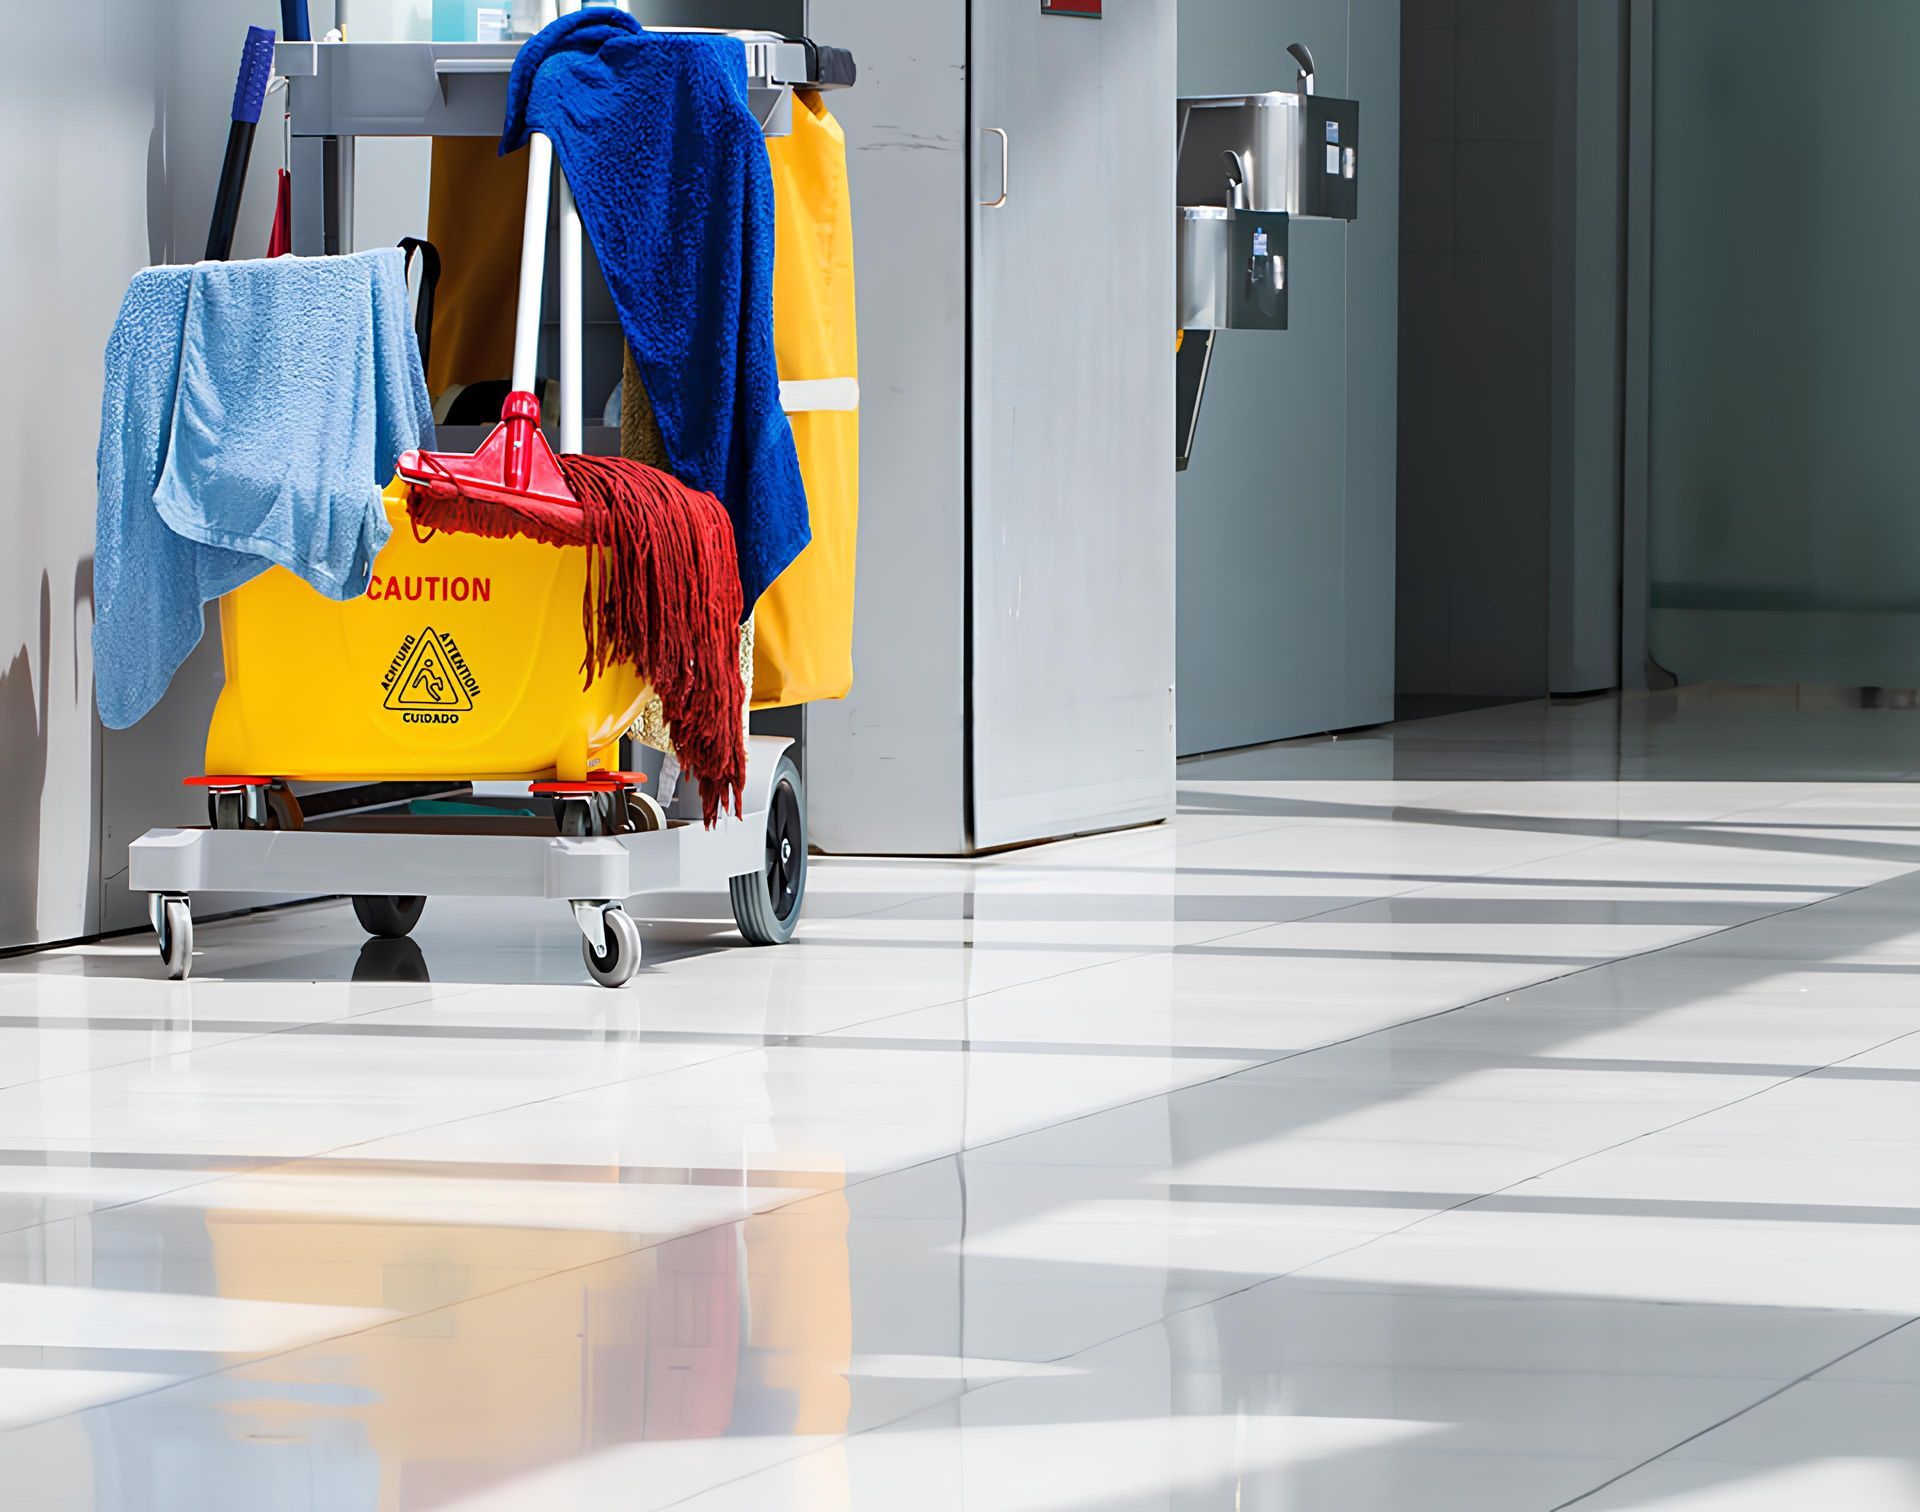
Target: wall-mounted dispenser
[1248,167]
[1233,269]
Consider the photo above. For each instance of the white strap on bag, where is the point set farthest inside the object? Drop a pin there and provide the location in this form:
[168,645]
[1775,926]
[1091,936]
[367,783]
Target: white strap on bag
[798,396]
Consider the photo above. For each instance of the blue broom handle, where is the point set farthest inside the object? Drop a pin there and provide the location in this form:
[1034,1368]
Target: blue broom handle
[249,93]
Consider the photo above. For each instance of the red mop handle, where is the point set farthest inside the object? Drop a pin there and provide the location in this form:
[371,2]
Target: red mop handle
[520,419]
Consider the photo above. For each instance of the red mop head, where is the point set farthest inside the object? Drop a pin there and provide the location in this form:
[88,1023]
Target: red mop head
[663,596]
[663,584]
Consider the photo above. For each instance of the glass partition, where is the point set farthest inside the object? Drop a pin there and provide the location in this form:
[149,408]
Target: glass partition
[1784,440]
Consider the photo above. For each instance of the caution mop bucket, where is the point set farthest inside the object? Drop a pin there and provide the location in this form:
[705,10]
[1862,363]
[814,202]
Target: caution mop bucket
[463,660]
[466,657]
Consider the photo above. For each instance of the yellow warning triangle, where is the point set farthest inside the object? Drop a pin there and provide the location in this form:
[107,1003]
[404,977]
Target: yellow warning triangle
[428,680]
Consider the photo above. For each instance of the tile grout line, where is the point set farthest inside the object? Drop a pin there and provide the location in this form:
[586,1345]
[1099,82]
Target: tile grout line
[1814,1371]
[1741,1412]
[238,1037]
[187,1186]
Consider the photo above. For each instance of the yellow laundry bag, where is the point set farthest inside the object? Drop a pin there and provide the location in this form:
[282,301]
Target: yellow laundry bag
[803,624]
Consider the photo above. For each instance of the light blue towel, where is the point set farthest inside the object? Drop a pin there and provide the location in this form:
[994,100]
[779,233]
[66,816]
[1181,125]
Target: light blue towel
[253,412]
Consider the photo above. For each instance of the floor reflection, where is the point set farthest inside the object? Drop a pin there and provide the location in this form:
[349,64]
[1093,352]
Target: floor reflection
[391,961]
[558,1351]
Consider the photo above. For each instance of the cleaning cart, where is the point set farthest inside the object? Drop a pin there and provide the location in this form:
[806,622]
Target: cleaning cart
[460,669]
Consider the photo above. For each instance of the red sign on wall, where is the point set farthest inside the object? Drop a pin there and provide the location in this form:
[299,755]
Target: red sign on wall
[1088,8]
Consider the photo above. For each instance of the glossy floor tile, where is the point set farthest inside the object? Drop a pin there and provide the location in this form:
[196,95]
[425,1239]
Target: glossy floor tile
[1511,1110]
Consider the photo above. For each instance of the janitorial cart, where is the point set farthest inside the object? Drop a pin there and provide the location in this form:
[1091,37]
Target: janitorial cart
[460,671]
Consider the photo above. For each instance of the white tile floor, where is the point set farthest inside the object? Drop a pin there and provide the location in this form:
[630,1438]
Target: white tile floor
[1513,1110]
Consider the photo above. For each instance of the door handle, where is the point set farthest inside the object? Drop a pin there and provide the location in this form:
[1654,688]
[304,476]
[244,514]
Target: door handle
[995,204]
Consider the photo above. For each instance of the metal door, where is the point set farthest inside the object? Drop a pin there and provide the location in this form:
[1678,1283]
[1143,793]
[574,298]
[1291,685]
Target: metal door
[1071,534]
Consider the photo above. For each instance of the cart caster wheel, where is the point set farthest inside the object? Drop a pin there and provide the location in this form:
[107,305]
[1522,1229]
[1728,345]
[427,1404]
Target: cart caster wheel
[387,918]
[227,809]
[644,814]
[175,929]
[272,807]
[579,816]
[766,904]
[616,967]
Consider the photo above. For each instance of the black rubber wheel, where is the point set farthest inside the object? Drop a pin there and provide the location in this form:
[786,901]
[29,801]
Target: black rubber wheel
[766,904]
[387,918]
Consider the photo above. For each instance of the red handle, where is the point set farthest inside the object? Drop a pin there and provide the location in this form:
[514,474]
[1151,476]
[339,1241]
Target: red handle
[520,416]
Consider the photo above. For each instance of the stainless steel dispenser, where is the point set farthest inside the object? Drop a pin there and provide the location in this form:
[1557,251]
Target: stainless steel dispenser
[1248,167]
[1233,269]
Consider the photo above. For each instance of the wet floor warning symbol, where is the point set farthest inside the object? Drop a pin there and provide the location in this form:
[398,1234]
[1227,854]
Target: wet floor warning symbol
[431,675]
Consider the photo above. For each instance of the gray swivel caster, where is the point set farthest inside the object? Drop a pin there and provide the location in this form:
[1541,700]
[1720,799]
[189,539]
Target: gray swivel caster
[172,917]
[610,942]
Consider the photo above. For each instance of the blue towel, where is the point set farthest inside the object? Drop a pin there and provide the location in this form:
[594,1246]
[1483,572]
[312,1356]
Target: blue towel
[252,414]
[670,170]
[148,583]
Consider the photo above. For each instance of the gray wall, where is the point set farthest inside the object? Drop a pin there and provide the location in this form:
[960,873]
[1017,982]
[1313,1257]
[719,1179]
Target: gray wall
[116,119]
[1589,261]
[1286,513]
[82,126]
[886,766]
[1510,357]
[1476,346]
[1072,487]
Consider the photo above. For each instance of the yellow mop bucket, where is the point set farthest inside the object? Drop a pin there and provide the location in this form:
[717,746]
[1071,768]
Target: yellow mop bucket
[462,661]
[465,659]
